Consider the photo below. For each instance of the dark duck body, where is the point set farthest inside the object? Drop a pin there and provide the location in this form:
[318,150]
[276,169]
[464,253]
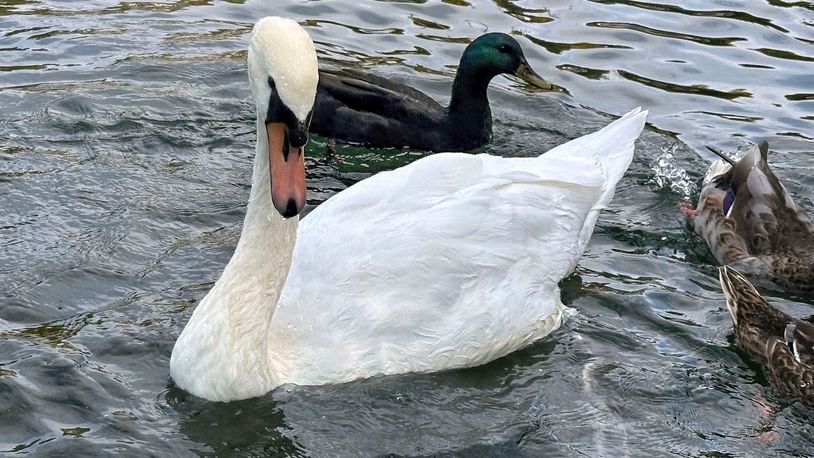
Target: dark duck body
[356,107]
[782,344]
[750,222]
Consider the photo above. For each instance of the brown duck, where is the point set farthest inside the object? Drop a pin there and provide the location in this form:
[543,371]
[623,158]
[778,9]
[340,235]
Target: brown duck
[783,345]
[750,222]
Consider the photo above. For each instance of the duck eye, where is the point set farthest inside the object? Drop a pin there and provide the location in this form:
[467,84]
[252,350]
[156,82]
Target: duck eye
[504,49]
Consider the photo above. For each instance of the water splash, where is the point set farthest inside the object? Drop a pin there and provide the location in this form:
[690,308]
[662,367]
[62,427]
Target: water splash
[667,174]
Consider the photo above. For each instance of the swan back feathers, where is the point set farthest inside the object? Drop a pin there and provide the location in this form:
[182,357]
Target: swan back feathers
[450,261]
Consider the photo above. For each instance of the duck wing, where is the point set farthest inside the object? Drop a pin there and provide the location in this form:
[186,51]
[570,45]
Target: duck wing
[448,262]
[372,85]
[788,372]
[765,215]
[363,108]
[799,336]
[780,342]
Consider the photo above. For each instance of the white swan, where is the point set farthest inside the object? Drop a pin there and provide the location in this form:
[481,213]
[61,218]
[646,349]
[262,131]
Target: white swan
[449,262]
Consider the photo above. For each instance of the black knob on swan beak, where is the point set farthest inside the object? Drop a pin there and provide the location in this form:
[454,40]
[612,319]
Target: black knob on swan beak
[298,136]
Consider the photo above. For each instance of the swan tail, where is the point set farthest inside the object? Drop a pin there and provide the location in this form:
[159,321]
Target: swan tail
[611,149]
[611,146]
[618,139]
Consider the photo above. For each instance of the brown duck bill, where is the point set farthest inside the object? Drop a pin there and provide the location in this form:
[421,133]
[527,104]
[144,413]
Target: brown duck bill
[528,75]
[286,171]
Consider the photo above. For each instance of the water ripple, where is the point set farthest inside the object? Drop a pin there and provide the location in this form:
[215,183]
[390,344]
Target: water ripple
[716,41]
[726,14]
[698,89]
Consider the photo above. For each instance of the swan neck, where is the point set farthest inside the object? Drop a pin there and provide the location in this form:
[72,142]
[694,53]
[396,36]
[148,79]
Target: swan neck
[267,241]
[223,352]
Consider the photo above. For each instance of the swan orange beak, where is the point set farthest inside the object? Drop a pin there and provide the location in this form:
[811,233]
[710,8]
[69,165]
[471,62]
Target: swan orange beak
[286,171]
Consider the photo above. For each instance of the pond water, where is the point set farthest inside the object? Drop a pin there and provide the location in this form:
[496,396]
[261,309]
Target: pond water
[126,140]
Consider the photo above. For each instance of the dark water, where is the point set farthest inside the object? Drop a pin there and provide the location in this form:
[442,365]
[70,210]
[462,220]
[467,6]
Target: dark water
[126,137]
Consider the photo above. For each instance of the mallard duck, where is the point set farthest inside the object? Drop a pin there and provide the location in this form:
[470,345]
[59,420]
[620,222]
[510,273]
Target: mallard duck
[449,262]
[750,221]
[356,107]
[783,345]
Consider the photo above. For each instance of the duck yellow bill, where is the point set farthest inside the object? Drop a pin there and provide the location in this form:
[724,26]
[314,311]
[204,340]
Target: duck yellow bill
[528,75]
[287,172]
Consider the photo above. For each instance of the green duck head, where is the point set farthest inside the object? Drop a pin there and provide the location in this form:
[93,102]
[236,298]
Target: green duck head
[493,54]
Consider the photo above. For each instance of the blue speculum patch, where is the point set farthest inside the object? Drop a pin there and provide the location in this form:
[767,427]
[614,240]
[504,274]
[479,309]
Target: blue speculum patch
[729,200]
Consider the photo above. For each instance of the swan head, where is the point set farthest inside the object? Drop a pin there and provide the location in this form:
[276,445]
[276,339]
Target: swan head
[283,75]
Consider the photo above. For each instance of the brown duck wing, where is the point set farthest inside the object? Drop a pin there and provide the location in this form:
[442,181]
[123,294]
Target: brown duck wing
[788,373]
[799,337]
[765,215]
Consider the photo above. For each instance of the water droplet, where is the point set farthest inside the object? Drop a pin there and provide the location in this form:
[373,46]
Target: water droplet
[667,174]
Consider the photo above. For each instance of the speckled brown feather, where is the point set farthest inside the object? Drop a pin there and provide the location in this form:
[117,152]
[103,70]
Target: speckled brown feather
[780,343]
[765,233]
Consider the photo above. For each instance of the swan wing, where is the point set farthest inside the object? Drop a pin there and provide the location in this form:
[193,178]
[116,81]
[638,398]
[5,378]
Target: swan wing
[451,261]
